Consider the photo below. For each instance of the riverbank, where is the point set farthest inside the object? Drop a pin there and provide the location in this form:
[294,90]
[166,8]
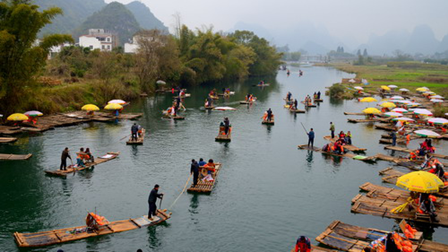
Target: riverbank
[410,75]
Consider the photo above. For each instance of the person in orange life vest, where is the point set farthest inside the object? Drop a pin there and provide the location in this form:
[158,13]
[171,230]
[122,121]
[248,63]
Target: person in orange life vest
[80,157]
[303,244]
[438,170]
[210,166]
[89,155]
[412,156]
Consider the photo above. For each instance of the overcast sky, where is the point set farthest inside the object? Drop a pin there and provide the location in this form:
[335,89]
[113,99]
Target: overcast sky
[342,18]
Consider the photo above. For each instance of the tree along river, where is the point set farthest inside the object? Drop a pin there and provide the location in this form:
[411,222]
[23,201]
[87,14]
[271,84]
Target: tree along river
[268,191]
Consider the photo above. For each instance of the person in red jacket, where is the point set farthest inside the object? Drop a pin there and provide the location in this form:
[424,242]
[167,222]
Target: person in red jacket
[303,244]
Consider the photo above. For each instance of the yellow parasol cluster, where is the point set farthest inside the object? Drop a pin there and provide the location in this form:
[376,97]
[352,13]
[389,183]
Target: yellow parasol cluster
[368,99]
[371,111]
[90,107]
[420,181]
[113,106]
[385,88]
[388,105]
[17,117]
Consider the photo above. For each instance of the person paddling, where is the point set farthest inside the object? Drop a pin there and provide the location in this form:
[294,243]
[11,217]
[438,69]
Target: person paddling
[195,171]
[64,156]
[311,138]
[134,131]
[226,125]
[269,112]
[152,201]
[332,129]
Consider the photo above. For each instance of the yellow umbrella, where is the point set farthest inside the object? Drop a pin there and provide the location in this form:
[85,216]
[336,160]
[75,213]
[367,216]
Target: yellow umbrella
[368,99]
[388,105]
[421,89]
[17,117]
[420,181]
[90,107]
[371,111]
[385,88]
[113,106]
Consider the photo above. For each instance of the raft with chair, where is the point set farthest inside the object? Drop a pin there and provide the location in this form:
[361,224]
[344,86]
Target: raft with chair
[203,185]
[46,238]
[401,149]
[348,237]
[70,169]
[14,156]
[7,139]
[222,137]
[348,155]
[139,140]
[382,207]
[347,146]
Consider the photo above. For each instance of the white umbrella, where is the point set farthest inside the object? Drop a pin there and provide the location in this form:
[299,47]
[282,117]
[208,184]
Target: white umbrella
[436,100]
[404,90]
[436,97]
[117,101]
[392,86]
[413,104]
[393,114]
[399,110]
[426,133]
[161,82]
[224,108]
[438,120]
[352,81]
[358,88]
[403,119]
[423,112]
[397,97]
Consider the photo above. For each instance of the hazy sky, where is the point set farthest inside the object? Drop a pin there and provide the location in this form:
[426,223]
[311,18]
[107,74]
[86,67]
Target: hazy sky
[356,19]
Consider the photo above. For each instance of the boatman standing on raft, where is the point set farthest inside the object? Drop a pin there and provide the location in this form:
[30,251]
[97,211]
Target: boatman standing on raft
[64,156]
[152,201]
[269,112]
[303,244]
[195,171]
[226,125]
[311,138]
[332,129]
[134,131]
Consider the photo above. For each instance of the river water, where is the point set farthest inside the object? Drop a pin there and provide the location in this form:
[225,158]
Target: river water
[268,192]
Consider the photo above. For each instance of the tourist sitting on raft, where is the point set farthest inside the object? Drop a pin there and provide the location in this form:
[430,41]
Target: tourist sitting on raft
[250,97]
[261,82]
[89,157]
[427,206]
[210,167]
[268,116]
[208,102]
[225,127]
[81,158]
[303,244]
[337,147]
[201,162]
[440,172]
[315,96]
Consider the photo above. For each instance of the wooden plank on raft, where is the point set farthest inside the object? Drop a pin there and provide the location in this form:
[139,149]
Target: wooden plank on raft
[51,237]
[7,139]
[98,160]
[271,122]
[348,155]
[406,150]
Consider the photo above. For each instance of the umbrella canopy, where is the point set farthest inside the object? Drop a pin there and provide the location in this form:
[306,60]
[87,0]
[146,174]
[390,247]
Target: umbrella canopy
[224,108]
[90,107]
[399,110]
[385,88]
[352,81]
[388,105]
[371,111]
[17,117]
[426,133]
[436,100]
[401,101]
[397,97]
[368,99]
[403,119]
[420,181]
[423,112]
[393,114]
[436,97]
[413,104]
[392,86]
[33,113]
[404,90]
[113,106]
[422,89]
[429,93]
[161,82]
[117,101]
[438,120]
[358,88]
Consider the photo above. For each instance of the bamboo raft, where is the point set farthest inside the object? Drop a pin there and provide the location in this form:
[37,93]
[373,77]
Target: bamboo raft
[363,120]
[58,236]
[14,157]
[376,207]
[271,122]
[223,137]
[348,155]
[348,237]
[205,186]
[318,100]
[176,117]
[391,175]
[247,102]
[389,141]
[7,139]
[401,149]
[347,146]
[98,160]
[404,161]
[209,107]
[385,127]
[139,140]
[351,113]
[297,111]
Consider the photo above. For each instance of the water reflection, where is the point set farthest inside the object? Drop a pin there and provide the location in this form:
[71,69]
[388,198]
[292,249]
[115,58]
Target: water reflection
[309,157]
[194,203]
[134,150]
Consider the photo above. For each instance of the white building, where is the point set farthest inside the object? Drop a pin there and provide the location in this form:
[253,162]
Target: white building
[99,39]
[132,47]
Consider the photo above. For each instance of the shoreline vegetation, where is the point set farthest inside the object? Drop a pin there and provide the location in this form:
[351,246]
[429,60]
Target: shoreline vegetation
[77,76]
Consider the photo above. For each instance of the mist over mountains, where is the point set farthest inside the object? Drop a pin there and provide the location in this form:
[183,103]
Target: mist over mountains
[315,39]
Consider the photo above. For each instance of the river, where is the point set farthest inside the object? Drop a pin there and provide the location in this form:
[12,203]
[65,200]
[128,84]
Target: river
[268,192]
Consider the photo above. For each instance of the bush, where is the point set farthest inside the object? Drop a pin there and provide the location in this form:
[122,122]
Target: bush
[337,90]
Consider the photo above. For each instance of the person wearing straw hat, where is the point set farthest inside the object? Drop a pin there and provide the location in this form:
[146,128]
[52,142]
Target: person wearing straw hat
[152,201]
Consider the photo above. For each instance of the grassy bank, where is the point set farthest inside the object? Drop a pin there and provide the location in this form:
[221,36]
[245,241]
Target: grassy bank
[410,75]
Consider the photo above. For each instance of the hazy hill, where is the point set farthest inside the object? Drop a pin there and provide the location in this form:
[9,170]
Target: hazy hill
[145,17]
[422,40]
[113,17]
[443,46]
[75,12]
